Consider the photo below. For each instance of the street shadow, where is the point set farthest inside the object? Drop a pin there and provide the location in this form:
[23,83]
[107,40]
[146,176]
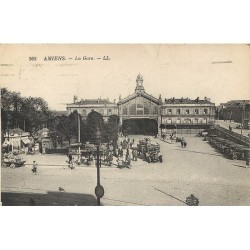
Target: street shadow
[127,202]
[186,150]
[171,196]
[47,199]
[239,166]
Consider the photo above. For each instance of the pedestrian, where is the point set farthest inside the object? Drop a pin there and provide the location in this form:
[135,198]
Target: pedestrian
[119,162]
[192,201]
[70,158]
[247,160]
[127,153]
[128,159]
[134,154]
[120,152]
[34,167]
[72,165]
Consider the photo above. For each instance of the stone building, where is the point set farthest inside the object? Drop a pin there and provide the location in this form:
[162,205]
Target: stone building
[84,107]
[186,113]
[142,113]
[139,112]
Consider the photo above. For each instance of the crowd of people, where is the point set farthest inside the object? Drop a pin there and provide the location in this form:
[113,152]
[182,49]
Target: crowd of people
[125,151]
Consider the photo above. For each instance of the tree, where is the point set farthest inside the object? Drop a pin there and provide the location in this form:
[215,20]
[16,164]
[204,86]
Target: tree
[30,114]
[67,128]
[111,128]
[94,120]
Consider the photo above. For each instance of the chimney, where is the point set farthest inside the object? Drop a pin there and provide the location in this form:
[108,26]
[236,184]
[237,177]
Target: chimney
[75,99]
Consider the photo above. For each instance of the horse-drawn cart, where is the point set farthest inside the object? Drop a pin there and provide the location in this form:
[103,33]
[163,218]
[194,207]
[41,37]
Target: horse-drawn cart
[13,161]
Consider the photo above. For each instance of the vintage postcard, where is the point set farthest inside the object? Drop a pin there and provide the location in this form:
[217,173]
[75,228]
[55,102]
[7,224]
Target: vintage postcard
[125,125]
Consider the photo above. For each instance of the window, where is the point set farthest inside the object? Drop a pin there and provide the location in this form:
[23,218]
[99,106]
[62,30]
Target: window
[132,109]
[169,111]
[178,121]
[101,111]
[146,110]
[155,110]
[109,111]
[195,120]
[178,111]
[169,121]
[139,111]
[205,111]
[84,112]
[125,110]
[187,111]
[196,111]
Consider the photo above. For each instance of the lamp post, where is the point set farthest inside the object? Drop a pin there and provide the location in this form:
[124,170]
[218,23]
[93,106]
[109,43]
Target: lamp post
[99,190]
[242,118]
[79,136]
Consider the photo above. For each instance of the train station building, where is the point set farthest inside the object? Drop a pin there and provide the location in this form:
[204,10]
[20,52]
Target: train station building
[142,113]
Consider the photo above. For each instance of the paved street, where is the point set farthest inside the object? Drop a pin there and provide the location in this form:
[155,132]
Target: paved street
[197,169]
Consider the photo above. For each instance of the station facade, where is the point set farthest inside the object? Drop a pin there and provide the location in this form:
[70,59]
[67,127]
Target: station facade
[142,113]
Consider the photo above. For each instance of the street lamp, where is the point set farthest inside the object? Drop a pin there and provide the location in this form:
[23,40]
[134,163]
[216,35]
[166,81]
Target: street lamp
[242,118]
[99,190]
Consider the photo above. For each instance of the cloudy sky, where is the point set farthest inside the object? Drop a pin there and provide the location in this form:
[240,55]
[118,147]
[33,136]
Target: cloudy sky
[220,72]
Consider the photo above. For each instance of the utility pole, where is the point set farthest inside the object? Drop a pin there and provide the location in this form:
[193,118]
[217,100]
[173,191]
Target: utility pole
[242,118]
[79,136]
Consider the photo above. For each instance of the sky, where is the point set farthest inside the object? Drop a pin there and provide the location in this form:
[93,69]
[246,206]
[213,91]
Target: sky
[219,72]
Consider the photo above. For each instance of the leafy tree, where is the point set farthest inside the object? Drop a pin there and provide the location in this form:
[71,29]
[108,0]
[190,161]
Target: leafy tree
[111,128]
[67,129]
[30,114]
[94,120]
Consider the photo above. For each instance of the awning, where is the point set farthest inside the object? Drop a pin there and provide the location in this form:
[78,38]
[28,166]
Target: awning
[26,140]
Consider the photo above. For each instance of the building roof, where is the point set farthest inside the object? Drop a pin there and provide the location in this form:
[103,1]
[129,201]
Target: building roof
[187,101]
[92,101]
[16,131]
[60,113]
[143,94]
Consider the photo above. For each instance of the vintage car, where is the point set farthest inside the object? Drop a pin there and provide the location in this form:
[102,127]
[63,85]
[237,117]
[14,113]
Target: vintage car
[150,151]
[141,146]
[153,154]
[238,152]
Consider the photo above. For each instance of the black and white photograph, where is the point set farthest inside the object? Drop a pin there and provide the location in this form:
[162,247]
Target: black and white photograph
[125,124]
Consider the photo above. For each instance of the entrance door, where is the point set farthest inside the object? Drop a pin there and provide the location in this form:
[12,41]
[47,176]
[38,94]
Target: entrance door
[142,126]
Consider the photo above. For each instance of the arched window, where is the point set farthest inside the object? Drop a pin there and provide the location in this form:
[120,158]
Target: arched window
[84,112]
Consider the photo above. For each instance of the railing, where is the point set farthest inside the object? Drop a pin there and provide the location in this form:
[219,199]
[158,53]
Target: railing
[236,136]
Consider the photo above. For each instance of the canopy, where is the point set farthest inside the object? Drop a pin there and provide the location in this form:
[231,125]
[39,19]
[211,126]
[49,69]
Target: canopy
[26,140]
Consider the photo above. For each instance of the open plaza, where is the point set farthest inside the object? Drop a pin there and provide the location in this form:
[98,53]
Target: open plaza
[198,169]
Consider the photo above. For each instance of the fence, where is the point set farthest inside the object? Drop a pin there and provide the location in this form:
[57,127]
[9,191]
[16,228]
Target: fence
[232,135]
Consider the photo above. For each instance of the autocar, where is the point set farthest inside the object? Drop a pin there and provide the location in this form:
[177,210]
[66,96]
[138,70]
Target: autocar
[152,153]
[141,146]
